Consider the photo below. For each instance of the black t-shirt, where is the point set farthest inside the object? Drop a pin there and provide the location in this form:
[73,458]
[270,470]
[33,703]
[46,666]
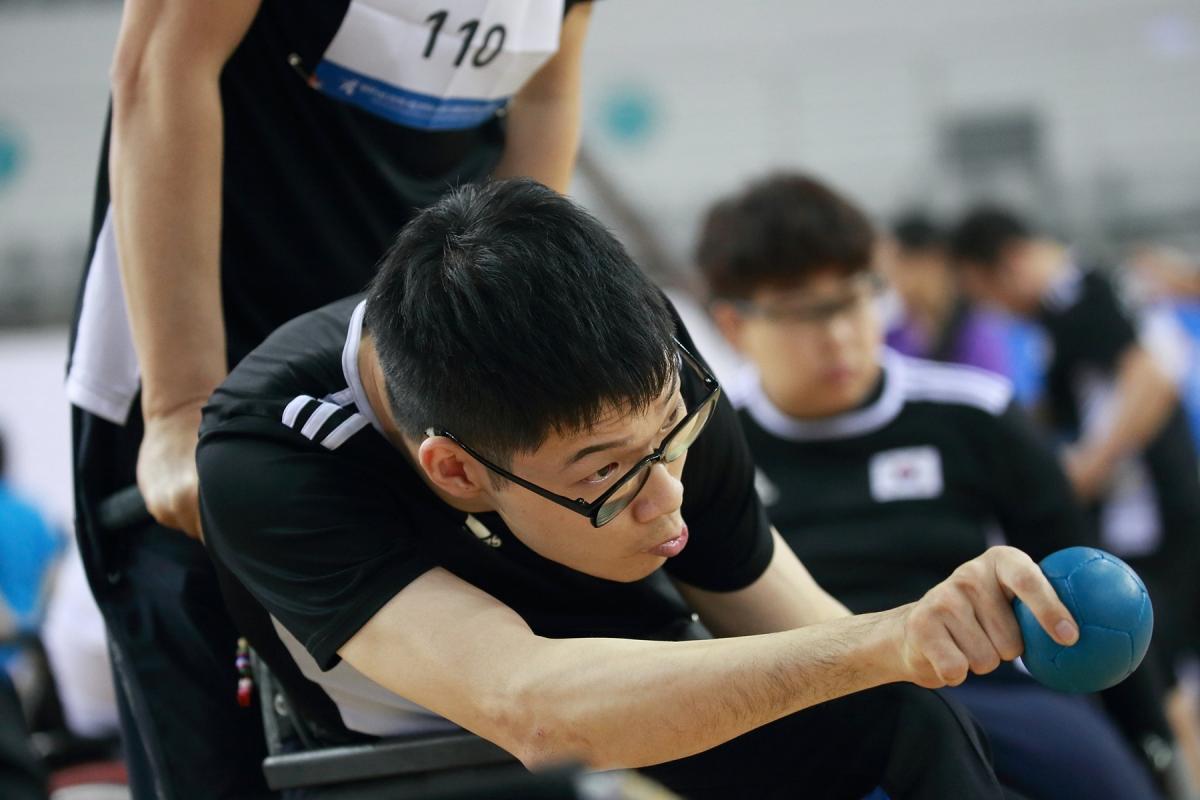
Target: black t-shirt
[1089,330]
[323,521]
[883,502]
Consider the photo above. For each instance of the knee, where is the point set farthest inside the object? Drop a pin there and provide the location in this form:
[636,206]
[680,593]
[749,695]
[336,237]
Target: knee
[932,724]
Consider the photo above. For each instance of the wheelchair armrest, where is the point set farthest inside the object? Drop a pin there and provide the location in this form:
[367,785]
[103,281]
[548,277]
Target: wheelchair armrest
[391,757]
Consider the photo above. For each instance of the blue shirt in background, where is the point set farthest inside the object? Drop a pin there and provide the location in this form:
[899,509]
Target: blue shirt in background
[28,549]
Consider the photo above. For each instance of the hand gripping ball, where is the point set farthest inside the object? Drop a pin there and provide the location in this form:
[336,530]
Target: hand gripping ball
[1109,602]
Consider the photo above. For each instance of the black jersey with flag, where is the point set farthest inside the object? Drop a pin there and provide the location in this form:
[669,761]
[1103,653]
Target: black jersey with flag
[322,521]
[883,502]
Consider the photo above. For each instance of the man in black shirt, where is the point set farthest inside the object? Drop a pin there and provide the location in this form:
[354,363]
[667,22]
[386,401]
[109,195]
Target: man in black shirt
[260,156]
[459,499]
[884,472]
[1131,457]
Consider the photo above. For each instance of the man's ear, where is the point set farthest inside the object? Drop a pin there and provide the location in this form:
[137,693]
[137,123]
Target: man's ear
[451,469]
[729,321]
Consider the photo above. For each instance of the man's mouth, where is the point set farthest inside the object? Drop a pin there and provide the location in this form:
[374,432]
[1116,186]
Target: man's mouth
[672,547]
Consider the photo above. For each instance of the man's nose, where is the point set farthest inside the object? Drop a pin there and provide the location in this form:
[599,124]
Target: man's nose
[662,495]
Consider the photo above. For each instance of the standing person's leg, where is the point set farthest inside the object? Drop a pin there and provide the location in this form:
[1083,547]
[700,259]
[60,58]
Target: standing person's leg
[172,641]
[910,742]
[1053,746]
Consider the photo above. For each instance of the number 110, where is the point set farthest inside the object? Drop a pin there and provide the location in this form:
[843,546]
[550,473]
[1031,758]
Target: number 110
[482,56]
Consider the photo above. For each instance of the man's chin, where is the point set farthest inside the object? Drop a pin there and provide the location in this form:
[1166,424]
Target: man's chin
[642,567]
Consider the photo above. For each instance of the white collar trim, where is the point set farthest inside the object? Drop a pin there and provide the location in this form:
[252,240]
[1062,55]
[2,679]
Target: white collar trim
[350,367]
[841,426]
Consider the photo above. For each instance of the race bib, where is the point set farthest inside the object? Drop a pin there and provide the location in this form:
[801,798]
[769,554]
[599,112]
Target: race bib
[434,64]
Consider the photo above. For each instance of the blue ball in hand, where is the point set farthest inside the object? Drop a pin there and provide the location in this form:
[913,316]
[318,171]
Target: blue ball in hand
[1109,602]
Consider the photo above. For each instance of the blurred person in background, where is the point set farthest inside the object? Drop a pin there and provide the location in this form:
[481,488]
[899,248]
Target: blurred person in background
[1109,395]
[29,551]
[937,321]
[27,545]
[259,158]
[1112,396]
[883,472]
[1168,280]
[52,647]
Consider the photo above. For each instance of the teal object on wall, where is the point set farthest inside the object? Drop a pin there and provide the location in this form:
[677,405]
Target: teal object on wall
[629,115]
[12,154]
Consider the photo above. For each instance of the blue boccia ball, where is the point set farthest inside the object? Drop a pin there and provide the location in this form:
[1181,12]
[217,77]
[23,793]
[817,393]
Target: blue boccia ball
[1109,602]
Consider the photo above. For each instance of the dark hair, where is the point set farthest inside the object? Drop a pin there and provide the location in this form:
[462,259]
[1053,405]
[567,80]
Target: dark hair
[503,312]
[981,237]
[915,231]
[780,231]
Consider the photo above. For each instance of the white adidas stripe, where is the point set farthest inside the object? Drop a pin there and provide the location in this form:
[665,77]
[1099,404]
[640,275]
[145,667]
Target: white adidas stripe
[319,418]
[956,384]
[293,409]
[312,426]
[338,436]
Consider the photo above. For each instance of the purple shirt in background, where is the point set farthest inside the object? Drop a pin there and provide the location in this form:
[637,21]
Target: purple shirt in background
[978,340]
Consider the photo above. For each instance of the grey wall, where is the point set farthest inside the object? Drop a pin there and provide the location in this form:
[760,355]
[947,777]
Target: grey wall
[53,94]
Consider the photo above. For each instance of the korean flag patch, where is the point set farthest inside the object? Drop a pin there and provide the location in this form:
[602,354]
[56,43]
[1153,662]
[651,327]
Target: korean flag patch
[909,473]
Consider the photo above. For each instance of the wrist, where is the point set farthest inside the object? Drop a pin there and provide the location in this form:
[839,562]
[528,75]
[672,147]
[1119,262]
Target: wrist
[168,397]
[161,409]
[884,654]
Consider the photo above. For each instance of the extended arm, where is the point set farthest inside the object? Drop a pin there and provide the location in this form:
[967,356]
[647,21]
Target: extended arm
[622,703]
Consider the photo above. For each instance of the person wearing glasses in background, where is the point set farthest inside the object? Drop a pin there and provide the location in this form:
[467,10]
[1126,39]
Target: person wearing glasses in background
[494,492]
[884,472]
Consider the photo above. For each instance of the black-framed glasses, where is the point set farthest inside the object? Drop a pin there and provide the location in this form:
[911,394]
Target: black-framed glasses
[864,287]
[618,496]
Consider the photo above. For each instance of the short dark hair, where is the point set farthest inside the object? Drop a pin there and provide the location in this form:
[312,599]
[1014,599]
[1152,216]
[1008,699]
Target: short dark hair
[780,231]
[981,237]
[916,231]
[504,311]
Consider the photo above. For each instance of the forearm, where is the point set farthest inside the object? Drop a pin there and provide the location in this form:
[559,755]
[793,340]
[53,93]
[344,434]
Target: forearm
[1145,398]
[455,650]
[543,140]
[620,703]
[544,116]
[165,167]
